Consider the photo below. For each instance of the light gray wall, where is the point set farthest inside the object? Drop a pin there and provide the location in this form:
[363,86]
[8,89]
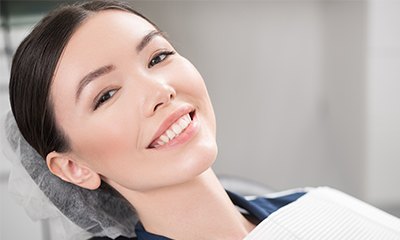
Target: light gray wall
[383,162]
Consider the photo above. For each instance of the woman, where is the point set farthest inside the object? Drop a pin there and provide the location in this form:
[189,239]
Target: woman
[101,94]
[104,98]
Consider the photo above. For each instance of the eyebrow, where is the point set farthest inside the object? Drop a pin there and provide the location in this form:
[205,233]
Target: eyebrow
[148,37]
[109,68]
[91,76]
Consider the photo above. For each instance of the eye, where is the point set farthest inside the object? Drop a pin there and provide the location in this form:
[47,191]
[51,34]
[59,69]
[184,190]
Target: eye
[159,58]
[104,97]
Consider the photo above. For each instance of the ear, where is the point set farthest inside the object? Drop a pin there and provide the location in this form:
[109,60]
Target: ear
[70,170]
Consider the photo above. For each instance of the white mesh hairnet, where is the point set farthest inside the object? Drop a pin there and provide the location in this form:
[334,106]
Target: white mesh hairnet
[82,213]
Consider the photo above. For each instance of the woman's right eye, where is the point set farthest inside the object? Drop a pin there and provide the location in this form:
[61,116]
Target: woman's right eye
[104,98]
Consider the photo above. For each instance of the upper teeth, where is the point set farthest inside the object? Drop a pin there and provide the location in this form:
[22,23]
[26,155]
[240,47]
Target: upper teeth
[174,130]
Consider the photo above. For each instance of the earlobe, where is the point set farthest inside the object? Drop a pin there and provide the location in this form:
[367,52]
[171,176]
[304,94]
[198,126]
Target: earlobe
[70,170]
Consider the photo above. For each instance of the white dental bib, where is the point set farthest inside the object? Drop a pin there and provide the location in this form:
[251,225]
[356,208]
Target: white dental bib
[325,213]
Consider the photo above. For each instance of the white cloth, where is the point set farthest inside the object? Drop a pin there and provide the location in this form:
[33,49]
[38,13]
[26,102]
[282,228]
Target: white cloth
[325,213]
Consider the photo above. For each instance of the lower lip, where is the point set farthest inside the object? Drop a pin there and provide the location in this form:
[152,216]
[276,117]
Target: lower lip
[185,136]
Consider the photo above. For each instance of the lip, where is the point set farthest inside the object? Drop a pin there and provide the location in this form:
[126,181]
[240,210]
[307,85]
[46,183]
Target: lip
[170,120]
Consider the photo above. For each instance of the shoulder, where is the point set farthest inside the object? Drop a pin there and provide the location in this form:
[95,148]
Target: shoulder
[273,201]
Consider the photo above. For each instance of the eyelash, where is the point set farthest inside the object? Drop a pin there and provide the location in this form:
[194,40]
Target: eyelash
[102,99]
[154,60]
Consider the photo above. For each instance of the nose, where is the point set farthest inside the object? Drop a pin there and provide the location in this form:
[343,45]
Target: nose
[160,95]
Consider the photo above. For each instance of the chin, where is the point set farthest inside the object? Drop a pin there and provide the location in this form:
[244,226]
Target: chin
[200,160]
[183,166]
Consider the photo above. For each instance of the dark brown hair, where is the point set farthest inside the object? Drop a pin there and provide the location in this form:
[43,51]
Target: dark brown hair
[33,68]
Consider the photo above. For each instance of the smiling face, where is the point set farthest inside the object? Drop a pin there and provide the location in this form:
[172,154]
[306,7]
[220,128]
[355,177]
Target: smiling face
[134,110]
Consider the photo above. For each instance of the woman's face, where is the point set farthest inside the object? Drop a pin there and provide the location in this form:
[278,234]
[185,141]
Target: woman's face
[134,110]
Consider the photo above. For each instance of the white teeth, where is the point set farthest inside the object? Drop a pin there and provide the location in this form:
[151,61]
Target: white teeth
[182,123]
[170,134]
[187,118]
[174,130]
[164,138]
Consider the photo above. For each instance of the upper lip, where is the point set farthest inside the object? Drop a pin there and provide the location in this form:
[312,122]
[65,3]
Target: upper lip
[170,120]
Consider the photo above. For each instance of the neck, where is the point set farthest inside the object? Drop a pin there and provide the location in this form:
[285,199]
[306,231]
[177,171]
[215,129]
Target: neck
[198,209]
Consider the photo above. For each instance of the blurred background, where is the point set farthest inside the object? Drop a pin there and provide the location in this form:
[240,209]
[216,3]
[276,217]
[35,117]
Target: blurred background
[306,92]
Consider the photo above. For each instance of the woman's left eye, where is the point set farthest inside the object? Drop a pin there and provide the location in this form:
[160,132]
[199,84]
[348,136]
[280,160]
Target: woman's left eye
[159,58]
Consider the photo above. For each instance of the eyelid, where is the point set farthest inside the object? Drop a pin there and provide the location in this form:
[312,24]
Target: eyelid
[96,101]
[160,52]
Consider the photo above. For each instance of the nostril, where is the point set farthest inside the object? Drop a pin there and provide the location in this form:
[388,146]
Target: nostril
[166,99]
[155,108]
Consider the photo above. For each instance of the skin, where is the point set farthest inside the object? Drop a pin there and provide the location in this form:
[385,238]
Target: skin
[110,142]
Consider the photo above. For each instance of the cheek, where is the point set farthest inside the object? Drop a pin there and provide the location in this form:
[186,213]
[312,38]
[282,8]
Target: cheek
[193,87]
[103,140]
[197,89]
[115,156]
[190,79]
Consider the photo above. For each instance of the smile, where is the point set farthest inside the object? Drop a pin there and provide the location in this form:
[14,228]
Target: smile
[178,132]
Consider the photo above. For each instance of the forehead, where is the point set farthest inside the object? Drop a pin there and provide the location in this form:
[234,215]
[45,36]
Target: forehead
[97,40]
